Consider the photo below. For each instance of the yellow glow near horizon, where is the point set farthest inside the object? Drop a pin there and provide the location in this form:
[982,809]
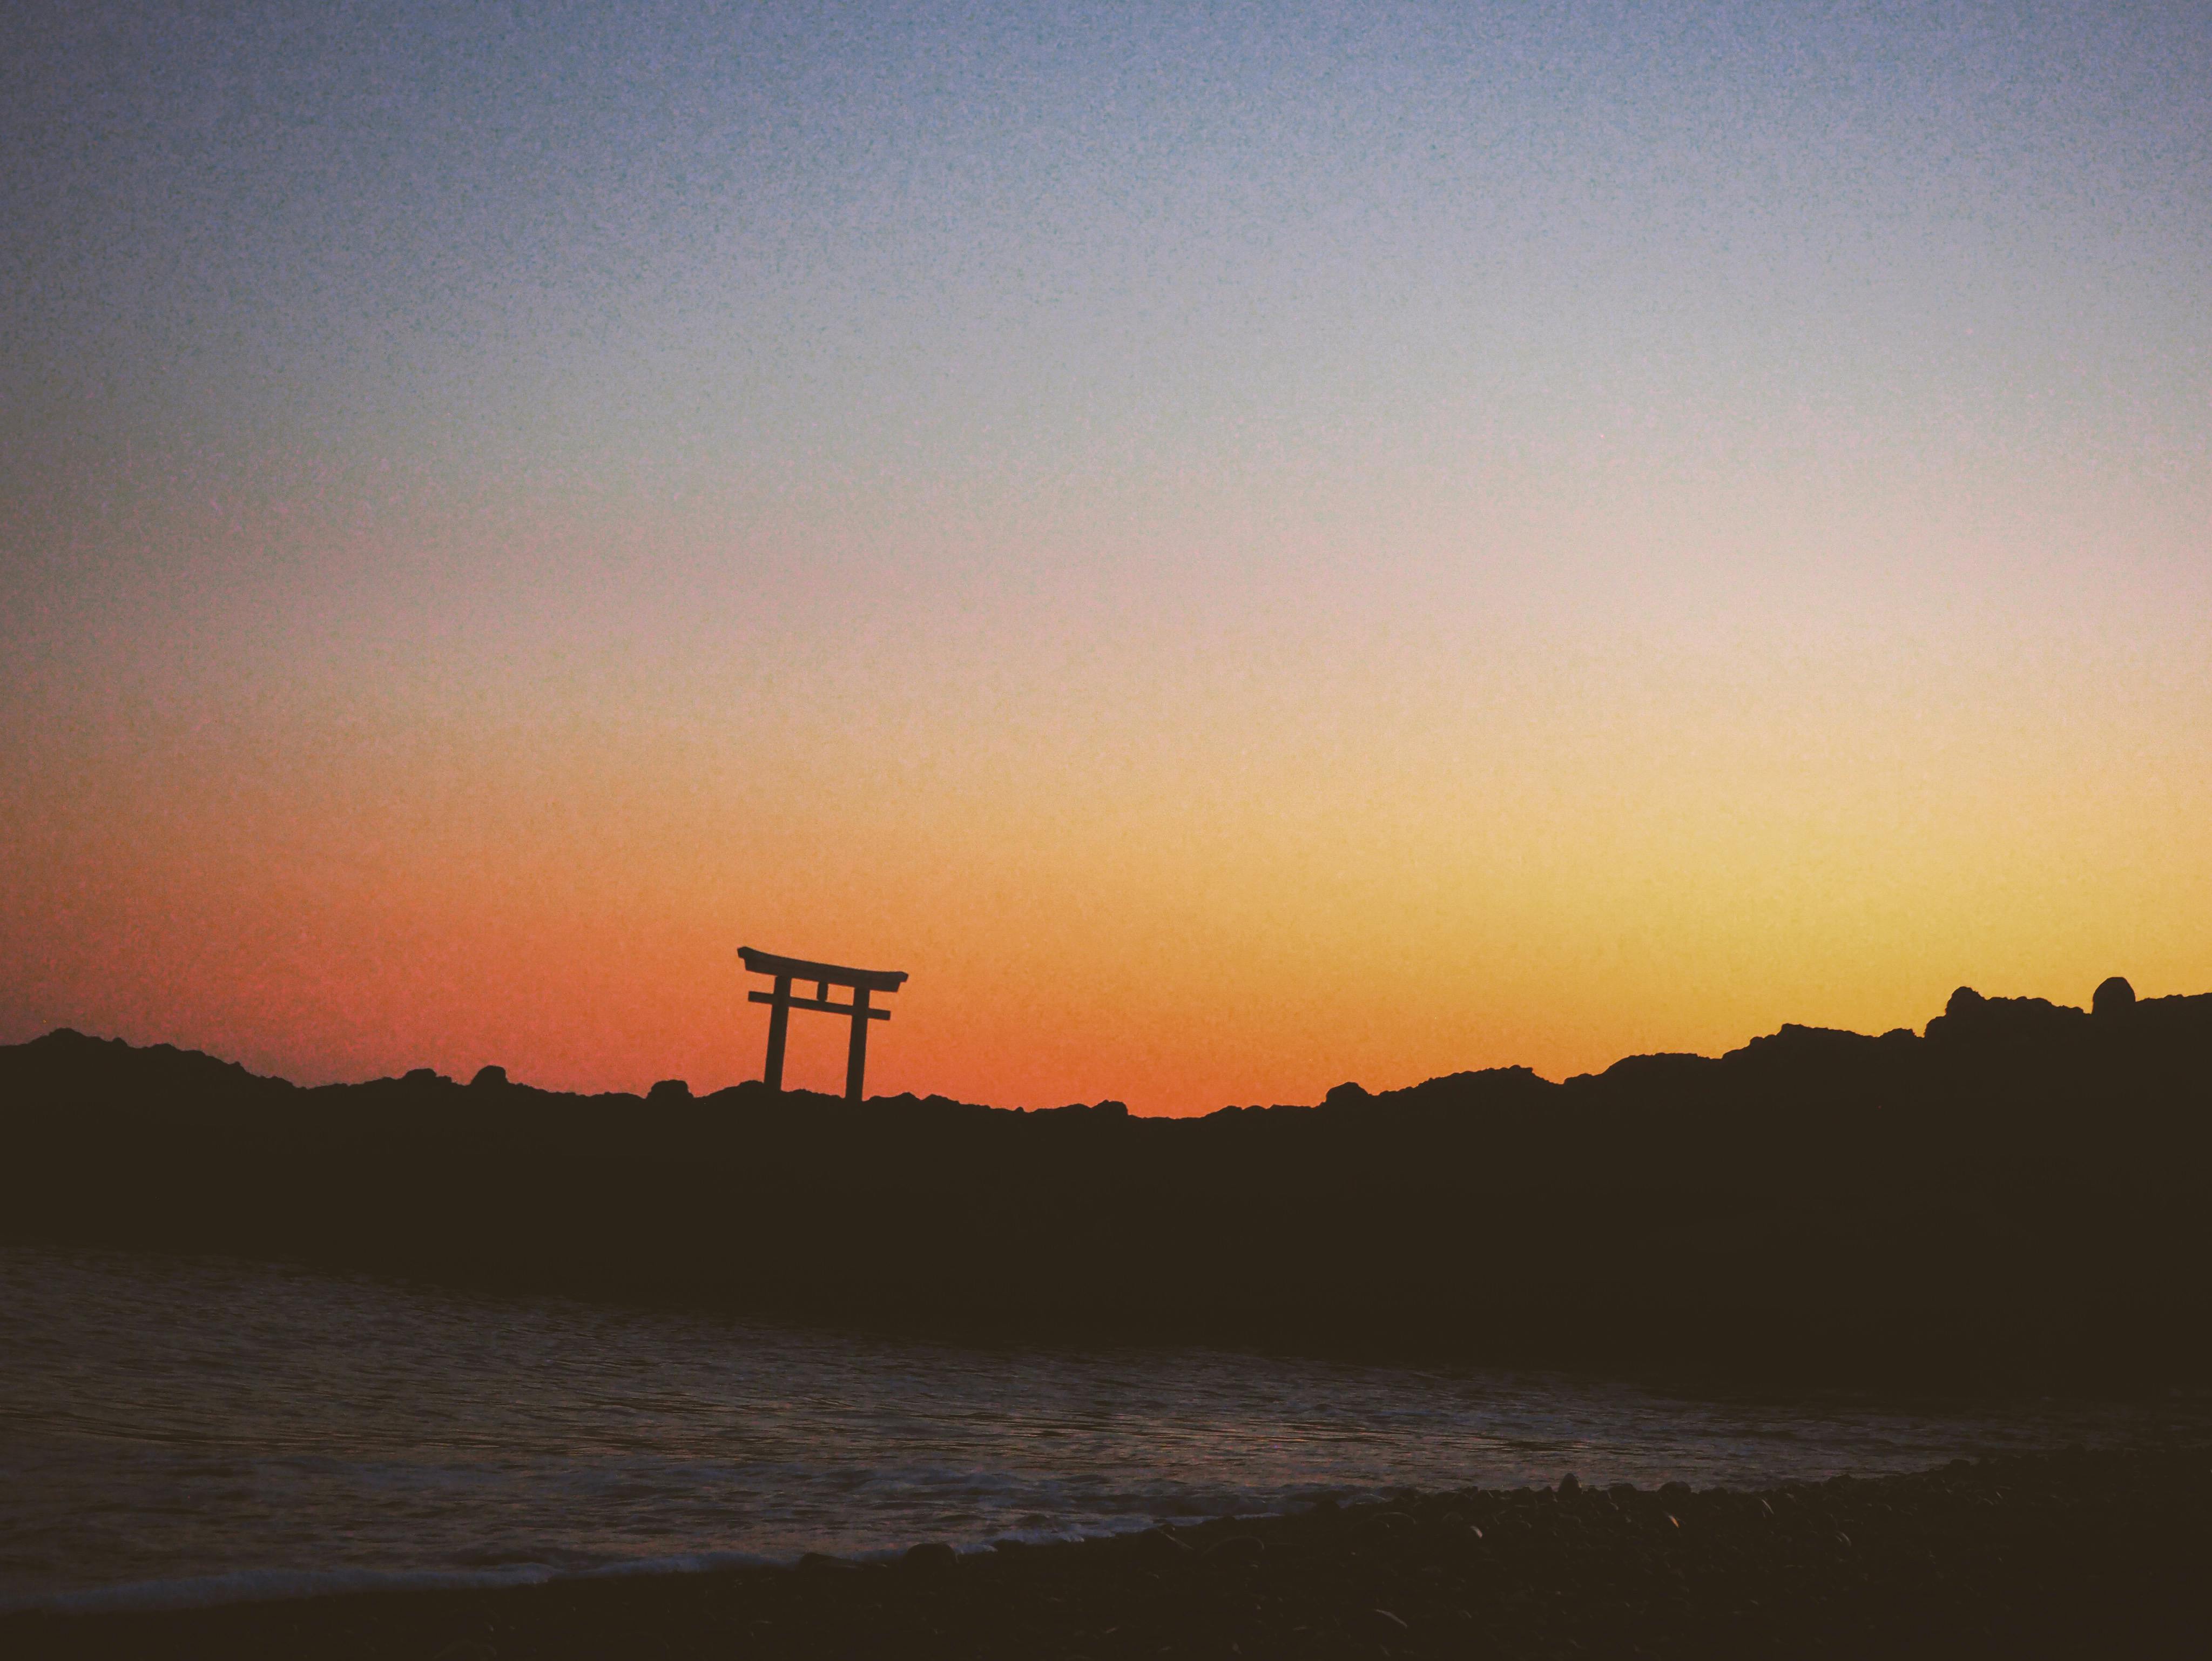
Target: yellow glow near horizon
[1243,552]
[1178,872]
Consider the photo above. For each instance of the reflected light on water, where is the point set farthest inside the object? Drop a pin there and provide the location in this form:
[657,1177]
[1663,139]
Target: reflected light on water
[207,1428]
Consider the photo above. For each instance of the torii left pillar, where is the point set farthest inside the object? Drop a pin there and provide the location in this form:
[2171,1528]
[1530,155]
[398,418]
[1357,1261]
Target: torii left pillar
[780,1002]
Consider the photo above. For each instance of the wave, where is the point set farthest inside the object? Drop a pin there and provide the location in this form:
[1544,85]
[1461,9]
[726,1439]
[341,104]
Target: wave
[278,1585]
[274,1586]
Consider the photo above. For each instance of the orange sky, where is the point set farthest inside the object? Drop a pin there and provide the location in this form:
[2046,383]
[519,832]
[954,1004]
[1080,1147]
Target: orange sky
[1243,552]
[1236,849]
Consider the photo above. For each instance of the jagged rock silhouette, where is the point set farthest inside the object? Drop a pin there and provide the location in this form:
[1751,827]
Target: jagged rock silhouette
[2015,1195]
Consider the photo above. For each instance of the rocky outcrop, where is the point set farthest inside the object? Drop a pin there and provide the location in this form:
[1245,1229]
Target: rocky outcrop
[2016,1193]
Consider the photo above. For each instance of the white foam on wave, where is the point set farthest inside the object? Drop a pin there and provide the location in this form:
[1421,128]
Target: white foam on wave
[268,1585]
[282,1585]
[275,1585]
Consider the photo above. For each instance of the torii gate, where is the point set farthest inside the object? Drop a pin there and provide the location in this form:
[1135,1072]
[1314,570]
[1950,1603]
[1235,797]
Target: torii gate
[824,976]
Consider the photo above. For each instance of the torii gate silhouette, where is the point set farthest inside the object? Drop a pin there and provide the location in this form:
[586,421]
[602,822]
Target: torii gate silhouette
[824,976]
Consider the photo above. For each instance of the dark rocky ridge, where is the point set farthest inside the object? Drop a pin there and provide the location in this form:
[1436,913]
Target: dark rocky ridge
[2017,1195]
[2065,1555]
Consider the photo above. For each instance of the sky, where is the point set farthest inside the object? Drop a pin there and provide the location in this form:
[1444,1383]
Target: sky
[1244,547]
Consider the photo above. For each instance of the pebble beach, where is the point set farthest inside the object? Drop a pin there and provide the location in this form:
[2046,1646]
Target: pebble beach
[2077,1553]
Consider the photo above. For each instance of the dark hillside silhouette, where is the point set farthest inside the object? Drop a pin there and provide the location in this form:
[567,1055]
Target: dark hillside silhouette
[2018,1194]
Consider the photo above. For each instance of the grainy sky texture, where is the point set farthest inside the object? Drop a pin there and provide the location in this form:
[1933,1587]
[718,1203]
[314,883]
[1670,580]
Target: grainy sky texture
[1244,547]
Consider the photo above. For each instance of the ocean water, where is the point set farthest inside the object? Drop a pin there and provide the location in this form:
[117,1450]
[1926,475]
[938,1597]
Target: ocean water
[183,1431]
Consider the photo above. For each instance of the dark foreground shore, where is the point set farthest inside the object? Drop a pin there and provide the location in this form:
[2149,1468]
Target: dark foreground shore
[2063,1554]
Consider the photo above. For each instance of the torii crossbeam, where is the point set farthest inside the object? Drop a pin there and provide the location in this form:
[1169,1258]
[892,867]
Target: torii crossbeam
[824,976]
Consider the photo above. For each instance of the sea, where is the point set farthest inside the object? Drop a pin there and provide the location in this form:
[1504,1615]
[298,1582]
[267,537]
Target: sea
[185,1431]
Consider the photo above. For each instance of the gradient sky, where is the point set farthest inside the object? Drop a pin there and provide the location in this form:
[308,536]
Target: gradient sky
[1242,547]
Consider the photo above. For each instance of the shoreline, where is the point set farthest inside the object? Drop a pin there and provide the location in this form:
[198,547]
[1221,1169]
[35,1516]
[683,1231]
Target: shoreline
[2048,1554]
